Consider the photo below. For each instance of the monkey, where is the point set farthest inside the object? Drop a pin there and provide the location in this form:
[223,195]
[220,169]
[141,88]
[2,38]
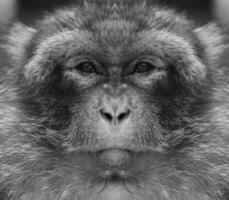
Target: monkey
[114,100]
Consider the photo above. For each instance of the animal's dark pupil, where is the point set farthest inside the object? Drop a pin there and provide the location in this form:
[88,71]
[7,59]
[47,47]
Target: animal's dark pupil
[144,67]
[86,67]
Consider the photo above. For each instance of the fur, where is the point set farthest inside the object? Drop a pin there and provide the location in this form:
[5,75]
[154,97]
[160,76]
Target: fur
[181,141]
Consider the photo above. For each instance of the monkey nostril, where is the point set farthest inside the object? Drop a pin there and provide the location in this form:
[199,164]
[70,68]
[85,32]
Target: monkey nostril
[106,116]
[124,115]
[114,118]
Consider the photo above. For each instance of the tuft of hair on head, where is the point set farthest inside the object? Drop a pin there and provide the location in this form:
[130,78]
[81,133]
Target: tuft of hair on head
[212,39]
[114,8]
[18,39]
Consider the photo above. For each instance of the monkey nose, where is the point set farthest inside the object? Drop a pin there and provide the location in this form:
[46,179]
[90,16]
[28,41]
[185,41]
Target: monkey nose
[115,157]
[113,117]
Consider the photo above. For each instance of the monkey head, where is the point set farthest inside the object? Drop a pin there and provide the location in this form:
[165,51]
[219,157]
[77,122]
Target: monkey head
[114,100]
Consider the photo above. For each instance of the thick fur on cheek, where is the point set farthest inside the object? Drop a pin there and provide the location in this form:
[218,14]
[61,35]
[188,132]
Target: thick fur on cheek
[29,170]
[148,132]
[183,176]
[42,177]
[81,131]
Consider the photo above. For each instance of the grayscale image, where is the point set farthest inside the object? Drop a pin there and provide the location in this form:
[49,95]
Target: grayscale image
[114,100]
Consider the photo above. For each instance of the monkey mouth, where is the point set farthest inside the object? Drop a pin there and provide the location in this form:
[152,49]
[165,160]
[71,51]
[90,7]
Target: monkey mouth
[114,157]
[114,164]
[117,166]
[114,176]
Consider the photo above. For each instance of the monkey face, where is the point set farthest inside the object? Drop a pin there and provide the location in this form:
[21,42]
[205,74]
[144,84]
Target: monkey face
[117,117]
[118,98]
[113,105]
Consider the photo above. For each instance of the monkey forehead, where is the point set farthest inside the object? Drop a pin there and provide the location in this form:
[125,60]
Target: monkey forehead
[68,43]
[113,37]
[73,31]
[115,34]
[108,14]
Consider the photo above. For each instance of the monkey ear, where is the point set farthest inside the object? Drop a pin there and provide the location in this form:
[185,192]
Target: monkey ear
[18,38]
[212,39]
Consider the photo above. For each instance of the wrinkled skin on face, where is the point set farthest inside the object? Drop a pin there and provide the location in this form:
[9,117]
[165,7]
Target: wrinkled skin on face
[114,100]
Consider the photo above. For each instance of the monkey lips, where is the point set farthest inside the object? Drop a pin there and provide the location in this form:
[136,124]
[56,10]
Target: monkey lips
[115,163]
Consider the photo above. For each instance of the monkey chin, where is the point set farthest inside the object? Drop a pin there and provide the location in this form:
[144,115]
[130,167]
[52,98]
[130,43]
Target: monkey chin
[115,184]
[116,192]
[113,175]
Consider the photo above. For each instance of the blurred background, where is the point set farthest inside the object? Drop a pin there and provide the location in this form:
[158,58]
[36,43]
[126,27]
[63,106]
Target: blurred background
[28,11]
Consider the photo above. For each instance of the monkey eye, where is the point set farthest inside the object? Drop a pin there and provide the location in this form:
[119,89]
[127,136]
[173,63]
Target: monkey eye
[86,67]
[144,67]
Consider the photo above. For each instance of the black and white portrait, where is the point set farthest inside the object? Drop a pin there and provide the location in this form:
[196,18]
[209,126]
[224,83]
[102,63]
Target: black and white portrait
[114,100]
